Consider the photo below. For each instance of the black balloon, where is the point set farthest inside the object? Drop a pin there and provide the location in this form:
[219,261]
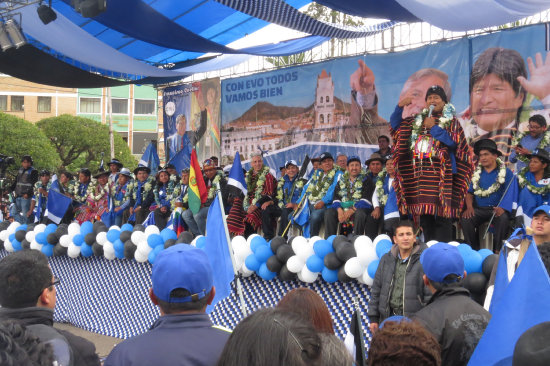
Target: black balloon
[342,276]
[276,242]
[125,235]
[100,228]
[168,243]
[59,250]
[139,227]
[332,261]
[284,252]
[97,249]
[30,227]
[339,245]
[129,249]
[488,263]
[286,275]
[52,239]
[20,235]
[346,252]
[25,244]
[186,237]
[475,282]
[339,239]
[89,238]
[273,264]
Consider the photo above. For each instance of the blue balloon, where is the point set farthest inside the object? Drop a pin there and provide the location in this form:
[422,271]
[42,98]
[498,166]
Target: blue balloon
[330,239]
[322,248]
[373,266]
[154,240]
[47,250]
[252,263]
[127,227]
[485,253]
[382,247]
[51,228]
[201,242]
[152,256]
[118,245]
[315,263]
[119,253]
[159,248]
[11,237]
[78,239]
[21,227]
[86,228]
[257,242]
[16,245]
[168,234]
[265,273]
[473,262]
[86,250]
[113,235]
[263,253]
[464,249]
[41,238]
[330,275]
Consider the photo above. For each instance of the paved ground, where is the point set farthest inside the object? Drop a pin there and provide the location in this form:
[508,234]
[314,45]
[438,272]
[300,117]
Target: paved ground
[103,344]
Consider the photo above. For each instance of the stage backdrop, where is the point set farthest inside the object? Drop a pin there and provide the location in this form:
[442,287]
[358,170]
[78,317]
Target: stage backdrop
[192,111]
[348,101]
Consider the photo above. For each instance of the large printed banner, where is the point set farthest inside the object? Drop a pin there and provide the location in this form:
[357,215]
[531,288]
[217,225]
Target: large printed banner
[343,105]
[192,119]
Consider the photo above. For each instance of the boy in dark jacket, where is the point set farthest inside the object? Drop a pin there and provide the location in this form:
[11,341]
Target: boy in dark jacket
[398,288]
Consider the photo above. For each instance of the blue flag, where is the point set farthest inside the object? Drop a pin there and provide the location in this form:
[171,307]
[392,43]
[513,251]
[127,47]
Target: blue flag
[523,305]
[57,205]
[217,248]
[181,160]
[150,158]
[301,217]
[236,175]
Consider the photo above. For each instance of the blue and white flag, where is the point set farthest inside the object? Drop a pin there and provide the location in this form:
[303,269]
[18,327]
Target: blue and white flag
[150,158]
[236,175]
[181,160]
[57,205]
[301,217]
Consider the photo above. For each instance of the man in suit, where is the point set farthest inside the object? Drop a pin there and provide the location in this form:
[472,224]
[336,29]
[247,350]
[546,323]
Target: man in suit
[186,138]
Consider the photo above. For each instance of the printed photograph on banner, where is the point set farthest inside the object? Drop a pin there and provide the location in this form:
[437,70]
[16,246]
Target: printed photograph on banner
[192,119]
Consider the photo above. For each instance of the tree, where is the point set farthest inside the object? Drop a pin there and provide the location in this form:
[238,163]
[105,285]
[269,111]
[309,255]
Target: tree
[20,137]
[284,61]
[80,141]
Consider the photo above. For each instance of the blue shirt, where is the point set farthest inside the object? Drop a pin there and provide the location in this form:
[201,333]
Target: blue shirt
[530,143]
[486,180]
[287,189]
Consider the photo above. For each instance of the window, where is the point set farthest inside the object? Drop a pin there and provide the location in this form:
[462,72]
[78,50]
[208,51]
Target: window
[321,118]
[321,100]
[44,104]
[144,106]
[90,105]
[3,102]
[17,102]
[120,106]
[327,98]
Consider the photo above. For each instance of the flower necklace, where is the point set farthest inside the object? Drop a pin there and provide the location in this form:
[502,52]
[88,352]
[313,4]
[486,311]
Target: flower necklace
[524,182]
[255,186]
[544,141]
[447,116]
[501,177]
[170,190]
[214,185]
[124,189]
[382,197]
[102,190]
[347,187]
[320,184]
[133,188]
[283,194]
[89,190]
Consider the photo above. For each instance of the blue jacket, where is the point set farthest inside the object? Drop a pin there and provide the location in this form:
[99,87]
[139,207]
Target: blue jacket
[173,340]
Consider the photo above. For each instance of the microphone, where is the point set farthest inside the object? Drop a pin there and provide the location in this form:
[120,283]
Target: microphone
[431,110]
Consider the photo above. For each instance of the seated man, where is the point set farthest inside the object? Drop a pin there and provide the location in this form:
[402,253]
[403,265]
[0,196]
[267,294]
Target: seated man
[398,288]
[289,190]
[342,161]
[120,202]
[352,202]
[493,191]
[28,295]
[374,166]
[456,321]
[40,197]
[534,184]
[524,143]
[140,193]
[183,334]
[384,200]
[81,188]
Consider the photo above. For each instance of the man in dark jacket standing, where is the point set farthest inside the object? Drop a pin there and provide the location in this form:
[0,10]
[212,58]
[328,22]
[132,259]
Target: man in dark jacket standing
[398,288]
[184,334]
[28,294]
[456,321]
[23,189]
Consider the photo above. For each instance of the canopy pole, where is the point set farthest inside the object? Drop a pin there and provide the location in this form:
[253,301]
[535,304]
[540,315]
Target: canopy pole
[110,110]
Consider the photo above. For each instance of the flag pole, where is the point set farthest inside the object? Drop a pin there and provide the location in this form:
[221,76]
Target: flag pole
[233,262]
[359,326]
[294,214]
[499,202]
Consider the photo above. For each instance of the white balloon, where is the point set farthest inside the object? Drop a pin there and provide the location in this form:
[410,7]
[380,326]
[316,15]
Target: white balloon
[101,238]
[360,279]
[305,251]
[295,264]
[109,255]
[368,280]
[431,242]
[380,237]
[151,229]
[108,249]
[306,275]
[35,245]
[114,227]
[73,251]
[39,228]
[353,267]
[65,240]
[29,236]
[140,257]
[194,242]
[11,229]
[454,243]
[366,254]
[297,243]
[137,236]
[143,247]
[245,271]
[249,239]
[240,247]
[361,242]
[313,239]
[4,235]
[73,229]
[8,246]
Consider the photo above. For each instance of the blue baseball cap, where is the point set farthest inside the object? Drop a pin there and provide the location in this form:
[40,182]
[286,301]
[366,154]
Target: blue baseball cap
[290,162]
[181,266]
[543,208]
[354,158]
[441,260]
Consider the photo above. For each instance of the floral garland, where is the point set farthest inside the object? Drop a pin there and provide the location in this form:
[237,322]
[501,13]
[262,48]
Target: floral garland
[320,184]
[281,194]
[501,178]
[354,188]
[545,141]
[170,189]
[255,186]
[447,116]
[73,190]
[382,197]
[215,185]
[102,190]
[132,188]
[524,182]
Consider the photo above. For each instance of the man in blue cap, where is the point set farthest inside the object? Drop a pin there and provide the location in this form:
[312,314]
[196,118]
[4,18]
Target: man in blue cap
[183,334]
[456,321]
